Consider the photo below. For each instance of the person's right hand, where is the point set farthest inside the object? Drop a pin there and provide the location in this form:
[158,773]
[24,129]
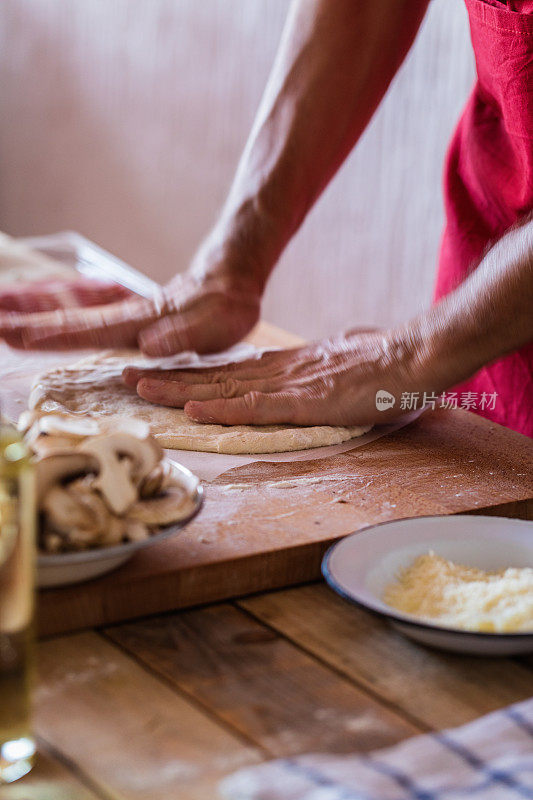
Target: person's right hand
[51,294]
[205,310]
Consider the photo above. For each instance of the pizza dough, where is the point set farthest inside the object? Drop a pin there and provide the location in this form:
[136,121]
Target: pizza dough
[93,387]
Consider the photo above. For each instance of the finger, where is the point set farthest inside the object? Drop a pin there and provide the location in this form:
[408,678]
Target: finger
[194,328]
[164,393]
[249,369]
[90,292]
[177,333]
[253,408]
[173,393]
[51,295]
[26,298]
[132,375]
[14,340]
[114,325]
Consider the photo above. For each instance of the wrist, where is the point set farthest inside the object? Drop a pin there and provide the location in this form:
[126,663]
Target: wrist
[410,361]
[444,348]
[242,246]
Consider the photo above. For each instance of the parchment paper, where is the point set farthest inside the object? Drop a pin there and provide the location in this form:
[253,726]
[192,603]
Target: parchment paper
[209,466]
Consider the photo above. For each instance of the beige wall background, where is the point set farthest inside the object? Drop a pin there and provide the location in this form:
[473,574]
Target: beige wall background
[124,120]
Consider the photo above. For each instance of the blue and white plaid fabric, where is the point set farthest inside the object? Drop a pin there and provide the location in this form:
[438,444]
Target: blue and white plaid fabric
[488,759]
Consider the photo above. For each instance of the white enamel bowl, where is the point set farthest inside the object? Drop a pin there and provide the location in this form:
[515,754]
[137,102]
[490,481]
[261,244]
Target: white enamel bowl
[66,568]
[360,566]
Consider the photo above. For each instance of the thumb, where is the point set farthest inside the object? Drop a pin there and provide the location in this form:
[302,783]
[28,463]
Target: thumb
[187,330]
[174,333]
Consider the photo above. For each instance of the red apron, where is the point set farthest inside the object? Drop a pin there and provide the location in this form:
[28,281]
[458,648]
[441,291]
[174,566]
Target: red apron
[489,186]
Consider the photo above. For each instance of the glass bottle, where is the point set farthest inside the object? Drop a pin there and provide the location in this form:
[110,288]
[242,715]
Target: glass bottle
[17,582]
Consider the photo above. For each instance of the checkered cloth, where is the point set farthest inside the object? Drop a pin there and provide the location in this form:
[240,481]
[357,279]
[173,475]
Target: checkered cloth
[489,759]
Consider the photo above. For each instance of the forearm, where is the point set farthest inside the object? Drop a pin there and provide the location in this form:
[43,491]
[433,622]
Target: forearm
[489,315]
[334,64]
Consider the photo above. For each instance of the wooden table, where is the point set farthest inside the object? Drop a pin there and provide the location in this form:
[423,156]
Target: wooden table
[161,708]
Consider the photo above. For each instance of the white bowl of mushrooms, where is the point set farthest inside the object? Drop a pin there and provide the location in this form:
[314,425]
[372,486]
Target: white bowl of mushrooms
[102,494]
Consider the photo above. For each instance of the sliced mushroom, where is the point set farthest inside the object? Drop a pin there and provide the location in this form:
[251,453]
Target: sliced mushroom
[53,432]
[134,426]
[115,532]
[74,428]
[172,506]
[101,490]
[157,480]
[136,531]
[123,463]
[60,466]
[51,542]
[76,506]
[45,446]
[63,512]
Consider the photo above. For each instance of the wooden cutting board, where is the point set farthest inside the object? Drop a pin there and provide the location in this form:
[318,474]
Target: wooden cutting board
[267,525]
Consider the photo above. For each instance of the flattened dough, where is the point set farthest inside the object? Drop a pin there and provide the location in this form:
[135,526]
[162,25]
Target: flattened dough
[94,387]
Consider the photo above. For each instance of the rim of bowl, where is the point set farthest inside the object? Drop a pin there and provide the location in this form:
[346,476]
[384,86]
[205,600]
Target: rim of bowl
[406,619]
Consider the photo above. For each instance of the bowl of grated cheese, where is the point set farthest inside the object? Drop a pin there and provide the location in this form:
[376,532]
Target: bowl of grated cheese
[460,583]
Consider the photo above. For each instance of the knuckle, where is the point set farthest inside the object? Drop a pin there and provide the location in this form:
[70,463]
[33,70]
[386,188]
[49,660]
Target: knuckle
[252,400]
[228,388]
[218,376]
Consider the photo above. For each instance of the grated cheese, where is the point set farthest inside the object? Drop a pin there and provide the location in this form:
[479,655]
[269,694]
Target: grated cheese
[456,596]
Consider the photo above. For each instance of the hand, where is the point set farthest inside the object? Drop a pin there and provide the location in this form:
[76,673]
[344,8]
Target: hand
[55,293]
[333,382]
[205,311]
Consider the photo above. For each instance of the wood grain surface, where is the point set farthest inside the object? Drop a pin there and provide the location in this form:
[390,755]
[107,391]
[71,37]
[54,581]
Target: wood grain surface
[260,684]
[170,704]
[267,525]
[139,737]
[436,689]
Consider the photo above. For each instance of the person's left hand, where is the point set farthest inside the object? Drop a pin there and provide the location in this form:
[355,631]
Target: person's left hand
[331,382]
